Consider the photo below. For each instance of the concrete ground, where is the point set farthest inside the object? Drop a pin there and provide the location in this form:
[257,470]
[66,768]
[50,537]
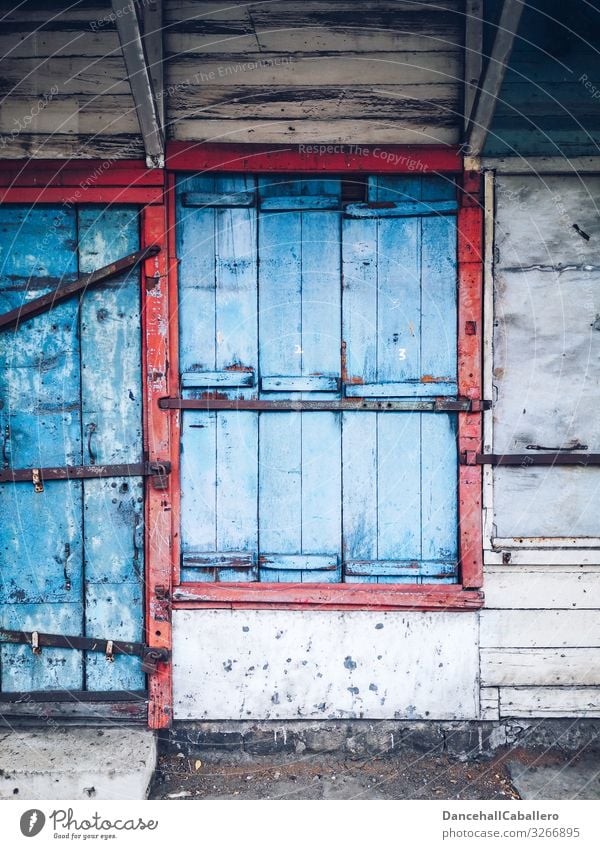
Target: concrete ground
[514,774]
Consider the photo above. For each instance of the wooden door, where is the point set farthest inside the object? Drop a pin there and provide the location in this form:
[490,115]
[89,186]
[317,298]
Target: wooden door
[291,294]
[71,555]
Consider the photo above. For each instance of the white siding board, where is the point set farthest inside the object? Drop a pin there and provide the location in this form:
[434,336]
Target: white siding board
[549,702]
[541,588]
[270,664]
[540,628]
[540,667]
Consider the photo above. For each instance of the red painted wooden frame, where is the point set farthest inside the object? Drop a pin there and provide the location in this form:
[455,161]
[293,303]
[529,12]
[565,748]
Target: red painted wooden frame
[184,156]
[105,181]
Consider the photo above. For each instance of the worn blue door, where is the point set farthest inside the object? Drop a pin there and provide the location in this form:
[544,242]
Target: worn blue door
[71,556]
[290,292]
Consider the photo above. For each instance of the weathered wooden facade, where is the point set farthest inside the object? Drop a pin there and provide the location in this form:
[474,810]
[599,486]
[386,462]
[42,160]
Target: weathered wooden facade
[324,445]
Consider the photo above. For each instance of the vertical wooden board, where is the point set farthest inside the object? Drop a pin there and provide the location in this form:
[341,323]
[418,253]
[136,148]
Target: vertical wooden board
[399,300]
[439,482]
[236,486]
[359,300]
[40,533]
[198,479]
[359,486]
[41,543]
[438,187]
[321,293]
[438,297]
[112,612]
[321,489]
[196,277]
[280,293]
[236,280]
[394,188]
[52,669]
[280,489]
[114,530]
[399,486]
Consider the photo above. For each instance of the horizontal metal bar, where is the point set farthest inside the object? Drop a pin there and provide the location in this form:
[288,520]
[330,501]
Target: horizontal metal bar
[208,200]
[63,641]
[230,379]
[302,383]
[400,209]
[471,458]
[97,696]
[349,405]
[61,473]
[86,281]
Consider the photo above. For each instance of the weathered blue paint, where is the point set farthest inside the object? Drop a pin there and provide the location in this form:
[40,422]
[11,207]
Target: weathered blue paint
[367,497]
[71,394]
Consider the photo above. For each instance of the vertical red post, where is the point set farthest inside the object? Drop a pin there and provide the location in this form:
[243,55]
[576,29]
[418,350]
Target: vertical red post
[174,415]
[470,279]
[155,289]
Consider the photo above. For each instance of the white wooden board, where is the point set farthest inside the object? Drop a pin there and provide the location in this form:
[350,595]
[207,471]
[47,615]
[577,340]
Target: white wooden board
[550,701]
[540,667]
[539,628]
[542,587]
[271,664]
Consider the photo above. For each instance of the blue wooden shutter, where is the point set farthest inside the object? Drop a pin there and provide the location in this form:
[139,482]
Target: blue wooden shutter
[71,557]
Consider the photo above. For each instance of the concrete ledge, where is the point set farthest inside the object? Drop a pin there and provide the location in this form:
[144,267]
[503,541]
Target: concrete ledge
[77,763]
[357,738]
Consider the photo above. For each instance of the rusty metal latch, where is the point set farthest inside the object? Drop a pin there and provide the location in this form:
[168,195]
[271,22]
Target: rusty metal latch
[157,471]
[355,405]
[151,655]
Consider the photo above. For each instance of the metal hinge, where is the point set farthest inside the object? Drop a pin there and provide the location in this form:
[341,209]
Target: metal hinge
[151,655]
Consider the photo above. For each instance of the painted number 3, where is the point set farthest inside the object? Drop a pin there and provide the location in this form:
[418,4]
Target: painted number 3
[401,353]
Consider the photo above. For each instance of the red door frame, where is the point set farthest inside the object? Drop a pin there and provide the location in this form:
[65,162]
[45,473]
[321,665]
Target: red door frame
[106,181]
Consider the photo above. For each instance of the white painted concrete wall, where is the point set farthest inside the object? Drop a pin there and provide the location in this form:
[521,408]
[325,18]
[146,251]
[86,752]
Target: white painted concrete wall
[279,664]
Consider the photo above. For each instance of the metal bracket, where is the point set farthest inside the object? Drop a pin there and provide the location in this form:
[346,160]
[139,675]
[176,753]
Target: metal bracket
[157,471]
[408,405]
[36,477]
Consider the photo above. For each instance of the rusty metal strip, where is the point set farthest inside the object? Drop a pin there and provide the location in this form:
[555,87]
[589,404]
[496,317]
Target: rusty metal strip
[150,655]
[13,318]
[434,405]
[471,458]
[61,473]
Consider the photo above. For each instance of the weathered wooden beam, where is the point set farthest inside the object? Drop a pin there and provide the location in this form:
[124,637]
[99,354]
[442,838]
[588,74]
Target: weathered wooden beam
[140,80]
[152,25]
[473,54]
[485,102]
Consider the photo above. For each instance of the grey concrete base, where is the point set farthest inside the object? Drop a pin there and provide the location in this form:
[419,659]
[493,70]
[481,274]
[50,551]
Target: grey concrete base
[579,779]
[77,763]
[357,738]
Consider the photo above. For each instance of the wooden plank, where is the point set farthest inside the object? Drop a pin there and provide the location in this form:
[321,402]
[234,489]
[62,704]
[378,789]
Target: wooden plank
[111,399]
[438,387]
[224,379]
[339,597]
[548,557]
[359,301]
[300,563]
[399,486]
[399,209]
[540,667]
[160,371]
[540,628]
[198,476]
[308,383]
[280,489]
[45,43]
[400,568]
[40,417]
[185,156]
[570,165]
[30,713]
[542,587]
[438,336]
[550,701]
[321,520]
[473,54]
[214,199]
[542,543]
[301,202]
[439,502]
[335,132]
[141,80]
[153,29]
[491,83]
[359,486]
[236,486]
[489,703]
[217,559]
